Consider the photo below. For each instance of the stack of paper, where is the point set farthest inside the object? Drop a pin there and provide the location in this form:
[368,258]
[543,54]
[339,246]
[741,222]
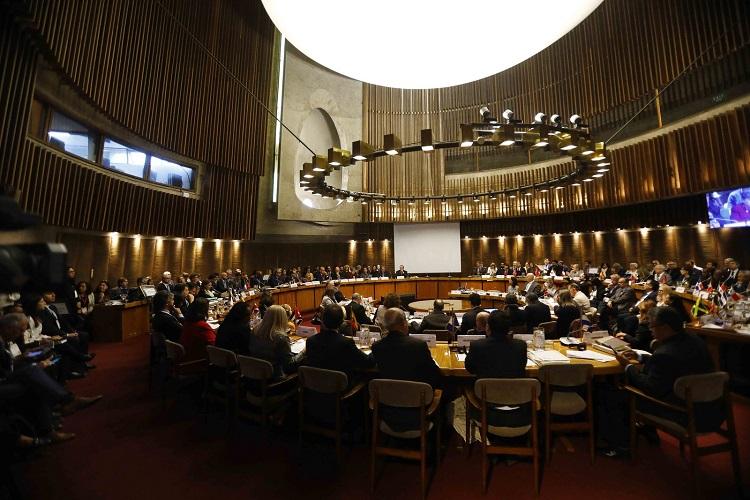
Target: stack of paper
[591,355]
[298,346]
[551,357]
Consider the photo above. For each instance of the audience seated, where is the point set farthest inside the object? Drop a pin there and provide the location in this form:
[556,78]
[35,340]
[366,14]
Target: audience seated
[566,311]
[269,341]
[234,332]
[358,310]
[436,320]
[515,313]
[498,355]
[391,300]
[400,356]
[166,318]
[330,350]
[196,332]
[638,333]
[469,318]
[536,312]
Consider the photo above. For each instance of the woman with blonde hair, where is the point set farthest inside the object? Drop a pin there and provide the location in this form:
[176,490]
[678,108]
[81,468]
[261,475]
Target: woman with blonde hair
[269,341]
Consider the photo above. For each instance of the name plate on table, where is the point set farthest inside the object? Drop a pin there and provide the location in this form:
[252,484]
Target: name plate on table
[431,339]
[384,278]
[400,277]
[465,340]
[359,279]
[306,331]
[680,289]
[593,270]
[480,292]
[293,285]
[315,282]
[704,295]
[495,293]
[486,276]
[456,292]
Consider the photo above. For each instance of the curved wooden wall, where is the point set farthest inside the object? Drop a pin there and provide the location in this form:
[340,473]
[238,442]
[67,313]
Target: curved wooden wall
[603,69]
[136,67]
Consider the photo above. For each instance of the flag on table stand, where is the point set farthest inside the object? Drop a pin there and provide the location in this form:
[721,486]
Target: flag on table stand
[297,314]
[452,325]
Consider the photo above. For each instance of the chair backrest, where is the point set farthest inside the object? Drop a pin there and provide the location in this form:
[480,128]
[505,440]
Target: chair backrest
[566,375]
[440,335]
[375,328]
[548,326]
[175,351]
[507,391]
[400,393]
[576,328]
[255,368]
[703,388]
[466,340]
[223,358]
[323,381]
[518,330]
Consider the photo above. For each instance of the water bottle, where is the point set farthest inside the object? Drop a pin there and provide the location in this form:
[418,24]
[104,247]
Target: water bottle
[365,336]
[538,339]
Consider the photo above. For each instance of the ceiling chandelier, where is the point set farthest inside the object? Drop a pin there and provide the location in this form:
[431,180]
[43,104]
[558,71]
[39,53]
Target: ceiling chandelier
[423,43]
[591,159]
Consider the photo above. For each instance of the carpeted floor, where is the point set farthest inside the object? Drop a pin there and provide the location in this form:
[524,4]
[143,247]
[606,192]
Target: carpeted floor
[130,446]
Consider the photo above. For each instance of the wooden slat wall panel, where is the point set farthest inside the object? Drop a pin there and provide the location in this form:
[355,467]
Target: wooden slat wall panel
[139,70]
[604,69]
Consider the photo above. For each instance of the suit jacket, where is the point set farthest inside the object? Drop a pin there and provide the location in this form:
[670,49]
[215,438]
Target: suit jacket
[623,299]
[234,336]
[164,322]
[163,286]
[493,357]
[517,315]
[533,287]
[402,357]
[403,273]
[536,314]
[221,285]
[332,351]
[469,320]
[434,321]
[679,355]
[54,323]
[358,310]
[565,316]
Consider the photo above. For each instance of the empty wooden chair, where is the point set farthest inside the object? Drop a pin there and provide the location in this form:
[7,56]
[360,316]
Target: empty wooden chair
[411,399]
[323,396]
[562,399]
[181,374]
[487,398]
[690,419]
[259,396]
[221,377]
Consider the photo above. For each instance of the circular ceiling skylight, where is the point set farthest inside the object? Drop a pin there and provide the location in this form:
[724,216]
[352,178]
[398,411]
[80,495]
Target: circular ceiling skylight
[424,43]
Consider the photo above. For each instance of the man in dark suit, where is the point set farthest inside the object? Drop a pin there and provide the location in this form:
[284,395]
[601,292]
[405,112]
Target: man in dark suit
[399,356]
[402,272]
[532,286]
[498,355]
[516,314]
[536,312]
[358,310]
[75,350]
[332,351]
[436,320]
[479,269]
[470,317]
[165,319]
[222,283]
[677,354]
[166,282]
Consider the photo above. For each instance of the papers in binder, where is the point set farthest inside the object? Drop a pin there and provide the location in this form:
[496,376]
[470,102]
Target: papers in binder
[542,358]
[306,331]
[590,355]
[298,346]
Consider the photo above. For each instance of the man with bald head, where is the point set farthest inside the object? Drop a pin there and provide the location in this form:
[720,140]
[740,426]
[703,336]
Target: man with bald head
[436,320]
[399,356]
[480,328]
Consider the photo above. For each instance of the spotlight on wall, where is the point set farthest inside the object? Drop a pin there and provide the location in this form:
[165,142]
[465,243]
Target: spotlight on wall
[577,121]
[475,199]
[320,164]
[540,118]
[486,115]
[555,120]
[443,201]
[492,196]
[391,144]
[427,140]
[508,116]
[460,199]
[360,150]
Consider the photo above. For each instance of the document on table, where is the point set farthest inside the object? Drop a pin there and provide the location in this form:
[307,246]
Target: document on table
[461,357]
[298,346]
[591,355]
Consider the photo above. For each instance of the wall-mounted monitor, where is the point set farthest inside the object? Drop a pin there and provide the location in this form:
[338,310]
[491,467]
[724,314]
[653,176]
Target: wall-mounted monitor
[729,208]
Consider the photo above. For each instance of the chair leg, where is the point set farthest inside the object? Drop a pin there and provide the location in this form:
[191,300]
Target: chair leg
[438,443]
[694,466]
[633,432]
[373,456]
[733,450]
[591,441]
[485,472]
[547,438]
[423,466]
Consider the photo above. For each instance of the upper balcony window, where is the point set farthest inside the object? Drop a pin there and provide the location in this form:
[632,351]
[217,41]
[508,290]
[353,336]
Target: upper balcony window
[124,159]
[71,136]
[171,174]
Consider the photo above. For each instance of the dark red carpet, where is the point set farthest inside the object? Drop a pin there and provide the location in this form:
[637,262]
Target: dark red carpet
[129,446]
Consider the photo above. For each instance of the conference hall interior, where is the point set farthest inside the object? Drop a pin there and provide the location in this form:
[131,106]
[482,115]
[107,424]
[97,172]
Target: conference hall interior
[285,249]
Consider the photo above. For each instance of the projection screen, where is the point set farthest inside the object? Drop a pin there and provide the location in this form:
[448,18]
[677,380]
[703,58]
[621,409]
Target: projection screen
[427,248]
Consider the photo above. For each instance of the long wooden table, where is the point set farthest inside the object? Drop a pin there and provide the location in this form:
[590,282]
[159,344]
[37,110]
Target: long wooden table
[716,337]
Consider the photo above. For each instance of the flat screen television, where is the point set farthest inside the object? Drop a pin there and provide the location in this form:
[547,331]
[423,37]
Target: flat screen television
[729,208]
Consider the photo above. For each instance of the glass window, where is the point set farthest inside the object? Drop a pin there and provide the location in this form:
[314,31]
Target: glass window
[171,174]
[71,136]
[124,159]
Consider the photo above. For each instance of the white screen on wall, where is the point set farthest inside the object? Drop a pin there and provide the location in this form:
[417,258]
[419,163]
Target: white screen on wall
[427,248]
